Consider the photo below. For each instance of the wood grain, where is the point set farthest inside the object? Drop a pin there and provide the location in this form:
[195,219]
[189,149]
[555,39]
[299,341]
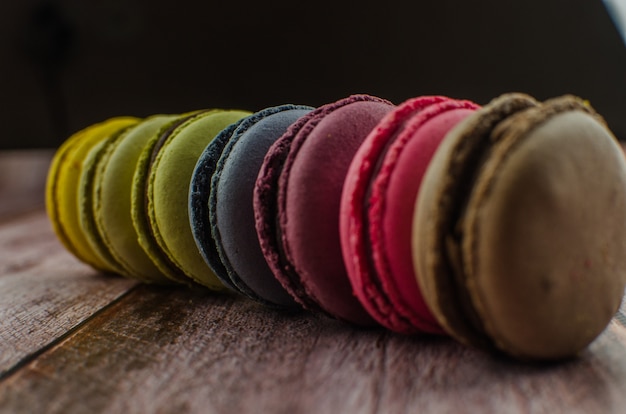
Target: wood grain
[75,341]
[44,292]
[188,351]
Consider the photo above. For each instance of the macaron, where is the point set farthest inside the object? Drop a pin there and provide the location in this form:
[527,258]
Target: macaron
[65,200]
[296,202]
[160,194]
[139,203]
[111,205]
[519,230]
[221,206]
[85,190]
[377,210]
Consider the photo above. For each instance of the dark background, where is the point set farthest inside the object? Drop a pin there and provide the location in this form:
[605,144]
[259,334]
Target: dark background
[68,63]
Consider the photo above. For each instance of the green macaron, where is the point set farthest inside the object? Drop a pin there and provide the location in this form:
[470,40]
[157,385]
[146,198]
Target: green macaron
[160,194]
[111,200]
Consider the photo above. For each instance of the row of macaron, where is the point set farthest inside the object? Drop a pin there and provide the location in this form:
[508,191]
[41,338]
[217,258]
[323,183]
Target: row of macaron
[502,225]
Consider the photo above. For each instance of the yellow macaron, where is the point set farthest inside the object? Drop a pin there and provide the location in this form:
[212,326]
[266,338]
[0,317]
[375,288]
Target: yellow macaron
[64,200]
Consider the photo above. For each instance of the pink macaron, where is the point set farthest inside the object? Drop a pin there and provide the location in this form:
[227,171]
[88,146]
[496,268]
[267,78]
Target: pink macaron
[377,208]
[296,201]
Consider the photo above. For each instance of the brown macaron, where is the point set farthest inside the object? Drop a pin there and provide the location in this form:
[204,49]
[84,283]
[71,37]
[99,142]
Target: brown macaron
[519,235]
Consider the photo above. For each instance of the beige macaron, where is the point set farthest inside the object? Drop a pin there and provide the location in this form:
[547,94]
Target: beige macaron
[519,234]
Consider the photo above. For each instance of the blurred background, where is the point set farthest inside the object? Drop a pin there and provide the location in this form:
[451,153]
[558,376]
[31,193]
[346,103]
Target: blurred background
[68,63]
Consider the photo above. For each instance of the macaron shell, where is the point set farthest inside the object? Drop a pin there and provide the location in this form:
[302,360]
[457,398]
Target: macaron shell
[199,206]
[62,199]
[309,201]
[139,205]
[546,234]
[112,200]
[231,203]
[395,196]
[446,183]
[168,191]
[265,202]
[87,213]
[356,249]
[377,224]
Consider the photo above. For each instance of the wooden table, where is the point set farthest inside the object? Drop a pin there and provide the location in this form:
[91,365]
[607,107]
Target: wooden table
[74,341]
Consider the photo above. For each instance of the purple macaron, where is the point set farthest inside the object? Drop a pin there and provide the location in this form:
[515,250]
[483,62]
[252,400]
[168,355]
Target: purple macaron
[297,199]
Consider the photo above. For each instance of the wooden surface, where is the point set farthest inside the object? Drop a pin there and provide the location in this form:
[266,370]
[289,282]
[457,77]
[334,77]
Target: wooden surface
[75,341]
